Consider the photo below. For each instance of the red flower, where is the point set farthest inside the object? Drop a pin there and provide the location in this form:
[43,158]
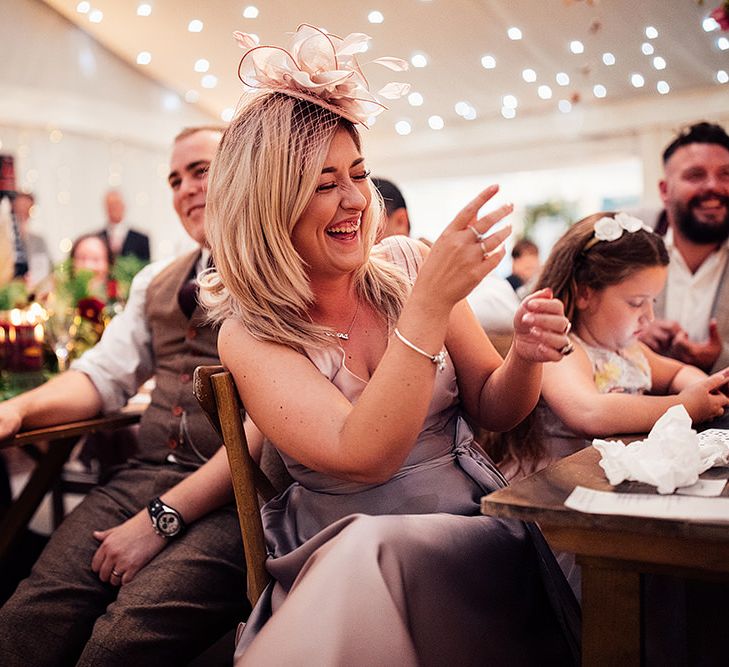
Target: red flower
[90,309]
[721,16]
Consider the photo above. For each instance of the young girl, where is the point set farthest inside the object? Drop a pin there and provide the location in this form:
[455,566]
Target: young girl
[607,270]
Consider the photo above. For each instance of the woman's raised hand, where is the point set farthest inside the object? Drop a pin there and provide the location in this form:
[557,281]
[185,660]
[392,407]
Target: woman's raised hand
[541,329]
[465,252]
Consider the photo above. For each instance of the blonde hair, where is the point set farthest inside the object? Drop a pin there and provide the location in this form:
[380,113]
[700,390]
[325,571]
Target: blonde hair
[265,172]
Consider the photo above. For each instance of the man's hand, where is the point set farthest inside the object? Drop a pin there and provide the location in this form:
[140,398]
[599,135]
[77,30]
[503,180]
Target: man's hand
[125,549]
[660,334]
[702,355]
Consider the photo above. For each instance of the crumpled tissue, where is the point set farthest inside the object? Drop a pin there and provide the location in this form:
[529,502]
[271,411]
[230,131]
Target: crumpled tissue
[673,454]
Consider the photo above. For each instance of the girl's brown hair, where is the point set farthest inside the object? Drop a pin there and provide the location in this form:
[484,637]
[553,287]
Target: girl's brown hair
[579,259]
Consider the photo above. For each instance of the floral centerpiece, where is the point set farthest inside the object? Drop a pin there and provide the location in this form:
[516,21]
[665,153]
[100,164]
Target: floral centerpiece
[124,269]
[76,315]
[21,340]
[79,309]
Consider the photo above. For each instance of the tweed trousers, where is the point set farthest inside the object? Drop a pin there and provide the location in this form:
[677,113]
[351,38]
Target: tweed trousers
[182,601]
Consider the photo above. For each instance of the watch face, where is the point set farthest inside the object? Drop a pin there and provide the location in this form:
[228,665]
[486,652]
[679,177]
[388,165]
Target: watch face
[168,524]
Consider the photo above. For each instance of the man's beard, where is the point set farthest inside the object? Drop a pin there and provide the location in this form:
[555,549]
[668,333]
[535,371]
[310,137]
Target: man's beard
[697,231]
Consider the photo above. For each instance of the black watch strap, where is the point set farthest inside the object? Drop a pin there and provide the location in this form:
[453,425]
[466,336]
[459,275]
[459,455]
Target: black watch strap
[166,521]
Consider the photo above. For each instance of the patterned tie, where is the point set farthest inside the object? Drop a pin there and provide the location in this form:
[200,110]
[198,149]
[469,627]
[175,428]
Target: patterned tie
[187,296]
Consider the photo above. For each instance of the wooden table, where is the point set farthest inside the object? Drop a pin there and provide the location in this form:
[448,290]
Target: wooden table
[613,551]
[61,438]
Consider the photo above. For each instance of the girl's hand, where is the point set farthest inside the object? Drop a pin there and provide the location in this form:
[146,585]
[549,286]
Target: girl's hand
[125,549]
[540,328]
[705,399]
[465,252]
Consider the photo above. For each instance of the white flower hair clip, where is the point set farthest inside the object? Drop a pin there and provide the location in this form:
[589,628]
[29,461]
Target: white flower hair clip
[611,229]
[320,68]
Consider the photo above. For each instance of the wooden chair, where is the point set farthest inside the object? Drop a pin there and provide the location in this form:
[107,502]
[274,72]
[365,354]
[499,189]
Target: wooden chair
[217,394]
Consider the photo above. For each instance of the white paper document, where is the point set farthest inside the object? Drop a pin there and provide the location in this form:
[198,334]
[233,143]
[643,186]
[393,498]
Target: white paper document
[708,488]
[646,505]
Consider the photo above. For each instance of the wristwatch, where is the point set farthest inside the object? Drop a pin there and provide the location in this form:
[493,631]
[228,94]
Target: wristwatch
[166,521]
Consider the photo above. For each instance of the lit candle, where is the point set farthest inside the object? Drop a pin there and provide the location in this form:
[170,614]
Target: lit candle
[23,351]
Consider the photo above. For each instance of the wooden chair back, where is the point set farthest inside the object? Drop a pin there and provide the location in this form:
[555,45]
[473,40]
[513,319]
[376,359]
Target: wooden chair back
[217,394]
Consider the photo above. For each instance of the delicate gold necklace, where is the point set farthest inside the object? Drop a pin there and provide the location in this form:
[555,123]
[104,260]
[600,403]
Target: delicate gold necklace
[344,335]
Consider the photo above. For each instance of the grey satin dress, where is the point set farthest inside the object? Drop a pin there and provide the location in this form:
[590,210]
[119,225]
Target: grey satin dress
[407,572]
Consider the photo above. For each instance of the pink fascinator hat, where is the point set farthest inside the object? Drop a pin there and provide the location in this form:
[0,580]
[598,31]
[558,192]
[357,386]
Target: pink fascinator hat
[321,68]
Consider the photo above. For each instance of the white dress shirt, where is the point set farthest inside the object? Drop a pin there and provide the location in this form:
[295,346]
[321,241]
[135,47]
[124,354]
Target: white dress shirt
[117,234]
[690,296]
[495,303]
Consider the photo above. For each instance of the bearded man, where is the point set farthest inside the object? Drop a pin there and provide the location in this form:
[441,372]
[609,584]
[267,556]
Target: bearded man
[692,313]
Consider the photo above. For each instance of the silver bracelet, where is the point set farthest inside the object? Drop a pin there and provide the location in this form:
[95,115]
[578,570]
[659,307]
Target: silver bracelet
[438,359]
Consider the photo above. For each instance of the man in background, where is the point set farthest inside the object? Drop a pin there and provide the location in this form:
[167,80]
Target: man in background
[120,582]
[36,250]
[122,239]
[396,212]
[692,313]
[524,263]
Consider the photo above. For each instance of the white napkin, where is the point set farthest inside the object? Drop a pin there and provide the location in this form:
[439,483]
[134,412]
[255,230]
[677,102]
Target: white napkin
[673,454]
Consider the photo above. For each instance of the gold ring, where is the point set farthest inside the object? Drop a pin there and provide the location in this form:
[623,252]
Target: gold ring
[475,232]
[114,573]
[567,349]
[567,328]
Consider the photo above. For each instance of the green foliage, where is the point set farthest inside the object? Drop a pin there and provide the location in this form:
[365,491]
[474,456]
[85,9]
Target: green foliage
[71,286]
[124,269]
[557,208]
[13,295]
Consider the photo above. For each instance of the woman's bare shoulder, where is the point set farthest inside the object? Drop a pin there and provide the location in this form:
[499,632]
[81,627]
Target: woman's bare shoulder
[234,338]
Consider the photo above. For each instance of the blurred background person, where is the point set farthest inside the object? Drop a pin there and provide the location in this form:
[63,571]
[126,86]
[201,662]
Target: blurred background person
[495,303]
[122,239]
[397,221]
[38,258]
[92,253]
[524,263]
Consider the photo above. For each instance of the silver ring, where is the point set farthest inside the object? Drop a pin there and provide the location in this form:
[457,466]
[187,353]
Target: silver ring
[475,232]
[114,573]
[568,328]
[567,349]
